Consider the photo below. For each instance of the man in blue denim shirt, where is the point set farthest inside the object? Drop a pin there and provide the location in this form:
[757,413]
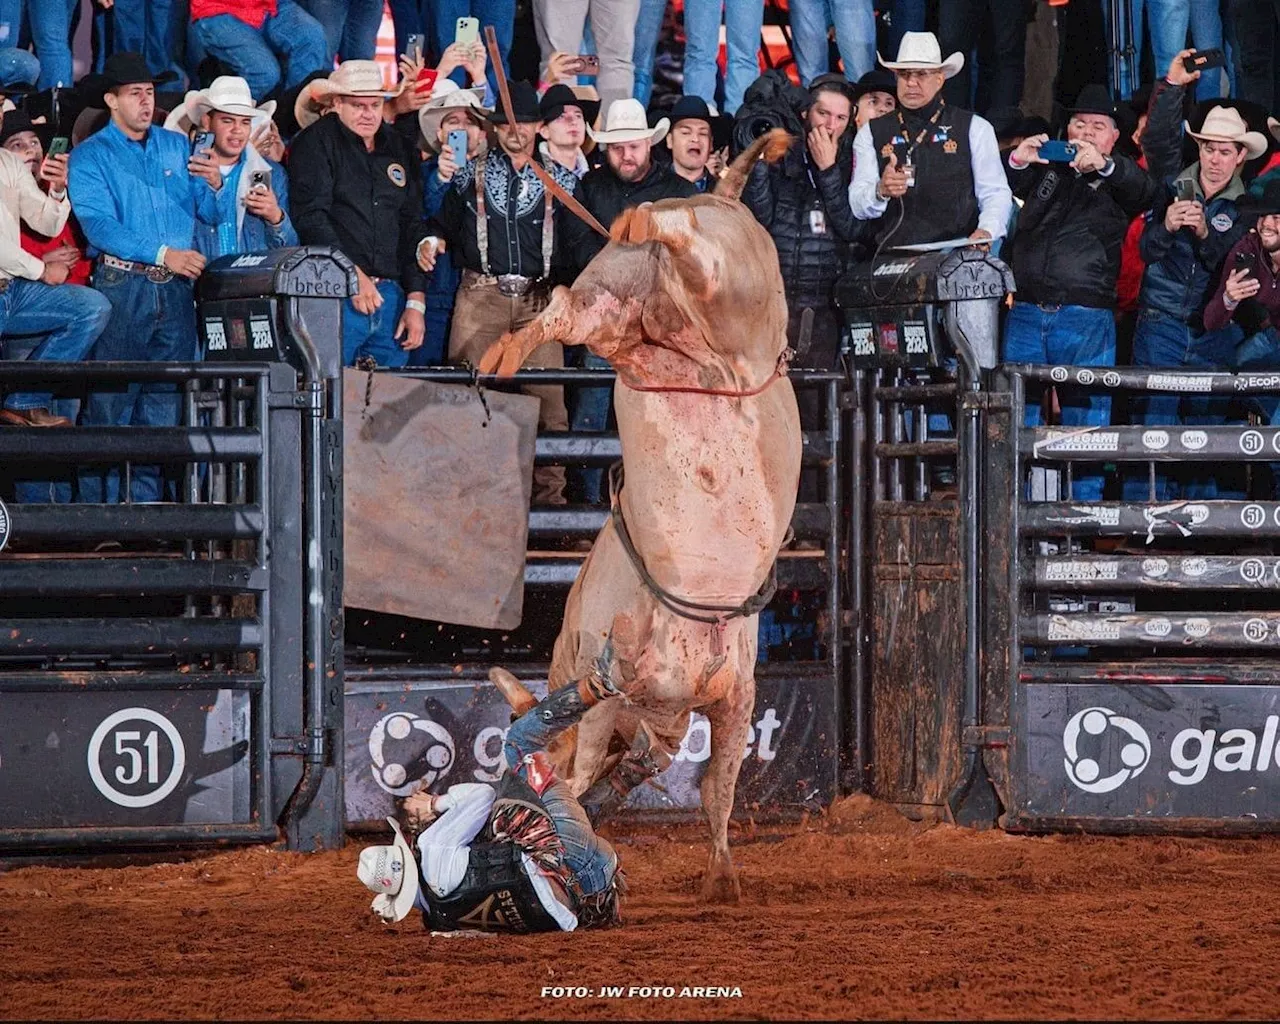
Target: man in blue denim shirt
[138,201]
[253,192]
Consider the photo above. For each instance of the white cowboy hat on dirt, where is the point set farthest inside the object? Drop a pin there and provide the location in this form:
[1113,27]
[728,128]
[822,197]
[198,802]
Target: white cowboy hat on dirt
[353,78]
[227,94]
[391,872]
[626,122]
[445,97]
[1224,124]
[919,51]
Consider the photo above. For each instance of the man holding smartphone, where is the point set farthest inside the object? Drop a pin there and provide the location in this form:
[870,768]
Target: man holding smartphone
[1249,292]
[252,191]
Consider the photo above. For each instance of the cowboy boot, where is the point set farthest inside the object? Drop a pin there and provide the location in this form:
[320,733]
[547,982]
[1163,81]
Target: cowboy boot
[642,762]
[568,703]
[515,692]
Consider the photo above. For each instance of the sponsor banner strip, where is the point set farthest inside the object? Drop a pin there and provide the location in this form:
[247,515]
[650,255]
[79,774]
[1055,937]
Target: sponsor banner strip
[1189,572]
[1175,519]
[1222,630]
[1155,444]
[1172,380]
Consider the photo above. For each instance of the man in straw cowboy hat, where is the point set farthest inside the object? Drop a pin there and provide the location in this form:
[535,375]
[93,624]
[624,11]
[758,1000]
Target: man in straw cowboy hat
[928,171]
[138,197]
[501,224]
[519,856]
[355,184]
[253,192]
[1184,246]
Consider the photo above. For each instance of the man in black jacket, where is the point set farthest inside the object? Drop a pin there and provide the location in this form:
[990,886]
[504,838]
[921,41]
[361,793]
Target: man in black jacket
[1066,256]
[803,201]
[630,176]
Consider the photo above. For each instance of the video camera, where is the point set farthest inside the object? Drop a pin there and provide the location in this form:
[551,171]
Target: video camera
[771,101]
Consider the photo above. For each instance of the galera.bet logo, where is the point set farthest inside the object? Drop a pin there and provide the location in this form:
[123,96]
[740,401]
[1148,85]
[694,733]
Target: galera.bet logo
[1085,772]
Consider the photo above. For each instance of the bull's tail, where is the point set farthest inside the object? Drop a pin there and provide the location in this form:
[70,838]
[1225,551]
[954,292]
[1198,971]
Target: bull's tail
[771,147]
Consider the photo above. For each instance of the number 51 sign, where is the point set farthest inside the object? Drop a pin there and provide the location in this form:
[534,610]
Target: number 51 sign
[133,757]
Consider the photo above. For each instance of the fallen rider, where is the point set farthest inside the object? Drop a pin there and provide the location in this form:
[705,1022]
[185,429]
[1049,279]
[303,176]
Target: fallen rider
[517,856]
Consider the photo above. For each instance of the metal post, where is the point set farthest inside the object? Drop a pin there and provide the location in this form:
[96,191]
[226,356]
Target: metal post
[857,449]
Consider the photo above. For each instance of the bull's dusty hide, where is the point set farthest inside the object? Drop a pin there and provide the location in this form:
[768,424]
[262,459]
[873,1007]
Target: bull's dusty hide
[437,499]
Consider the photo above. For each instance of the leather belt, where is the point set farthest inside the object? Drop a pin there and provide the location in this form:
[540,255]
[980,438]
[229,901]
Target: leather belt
[154,274]
[510,285]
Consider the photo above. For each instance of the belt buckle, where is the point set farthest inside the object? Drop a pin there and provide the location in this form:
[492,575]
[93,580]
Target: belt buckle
[4,284]
[513,285]
[158,275]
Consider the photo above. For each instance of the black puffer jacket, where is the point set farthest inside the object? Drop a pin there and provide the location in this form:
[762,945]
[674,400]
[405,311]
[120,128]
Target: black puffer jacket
[807,213]
[606,195]
[1066,248]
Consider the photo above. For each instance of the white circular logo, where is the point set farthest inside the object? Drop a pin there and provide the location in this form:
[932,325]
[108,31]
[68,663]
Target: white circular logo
[1198,514]
[1085,377]
[1194,440]
[1154,567]
[135,758]
[1196,629]
[1251,442]
[1111,379]
[1157,627]
[1194,567]
[1156,440]
[1256,630]
[4,525]
[1221,222]
[1086,772]
[1252,570]
[1275,441]
[1058,374]
[1253,516]
[405,748]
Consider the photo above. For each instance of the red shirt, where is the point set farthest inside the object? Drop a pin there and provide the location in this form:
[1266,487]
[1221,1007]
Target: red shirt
[38,245]
[251,12]
[1129,283]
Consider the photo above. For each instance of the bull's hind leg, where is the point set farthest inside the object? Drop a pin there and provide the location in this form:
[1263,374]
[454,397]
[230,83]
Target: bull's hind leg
[730,721]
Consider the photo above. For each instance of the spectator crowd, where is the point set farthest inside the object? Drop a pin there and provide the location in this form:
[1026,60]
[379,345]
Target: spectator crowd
[1141,221]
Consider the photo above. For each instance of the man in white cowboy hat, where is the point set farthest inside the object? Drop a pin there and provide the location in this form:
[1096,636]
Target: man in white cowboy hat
[450,109]
[500,223]
[355,184]
[1184,246]
[519,856]
[628,177]
[253,192]
[928,171]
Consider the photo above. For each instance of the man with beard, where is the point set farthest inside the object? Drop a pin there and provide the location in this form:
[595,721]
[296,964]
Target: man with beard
[928,171]
[1249,292]
[501,225]
[629,176]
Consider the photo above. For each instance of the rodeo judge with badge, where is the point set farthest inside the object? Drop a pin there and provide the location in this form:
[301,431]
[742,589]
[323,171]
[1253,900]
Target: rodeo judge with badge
[355,184]
[928,171]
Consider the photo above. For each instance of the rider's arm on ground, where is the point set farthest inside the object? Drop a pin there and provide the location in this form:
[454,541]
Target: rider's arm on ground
[463,811]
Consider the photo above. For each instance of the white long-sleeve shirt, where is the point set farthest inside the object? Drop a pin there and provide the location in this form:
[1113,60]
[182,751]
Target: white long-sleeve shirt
[463,811]
[21,199]
[990,186]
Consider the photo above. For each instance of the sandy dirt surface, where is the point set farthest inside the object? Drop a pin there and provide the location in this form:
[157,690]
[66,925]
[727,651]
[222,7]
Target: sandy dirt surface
[858,915]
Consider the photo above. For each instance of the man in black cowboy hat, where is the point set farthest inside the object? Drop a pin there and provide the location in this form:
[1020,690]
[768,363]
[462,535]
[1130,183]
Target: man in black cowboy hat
[873,95]
[1066,256]
[565,117]
[500,222]
[695,135]
[1249,292]
[138,202]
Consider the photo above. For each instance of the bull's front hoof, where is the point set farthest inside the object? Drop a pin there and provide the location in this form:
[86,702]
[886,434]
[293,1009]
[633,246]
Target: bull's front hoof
[720,885]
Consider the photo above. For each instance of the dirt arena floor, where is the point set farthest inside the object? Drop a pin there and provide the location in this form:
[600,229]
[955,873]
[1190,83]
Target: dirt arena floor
[858,915]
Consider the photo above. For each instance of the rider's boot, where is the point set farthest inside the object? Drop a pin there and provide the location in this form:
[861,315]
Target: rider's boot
[643,761]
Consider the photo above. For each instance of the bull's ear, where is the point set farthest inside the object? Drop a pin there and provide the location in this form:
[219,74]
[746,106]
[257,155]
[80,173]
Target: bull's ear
[661,317]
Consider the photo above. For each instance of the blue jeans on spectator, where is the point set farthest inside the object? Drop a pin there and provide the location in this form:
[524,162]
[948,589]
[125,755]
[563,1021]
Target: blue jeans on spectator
[412,17]
[50,22]
[149,322]
[18,67]
[743,21]
[442,286]
[1067,336]
[150,27]
[372,334]
[590,858]
[1169,21]
[501,14]
[292,34]
[1162,340]
[904,16]
[645,51]
[350,26]
[855,22]
[591,412]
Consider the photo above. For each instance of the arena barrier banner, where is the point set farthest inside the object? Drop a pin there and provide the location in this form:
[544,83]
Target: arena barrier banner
[1148,753]
[440,734]
[125,759]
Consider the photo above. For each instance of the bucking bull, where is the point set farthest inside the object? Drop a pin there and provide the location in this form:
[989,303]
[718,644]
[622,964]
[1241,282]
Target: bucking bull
[686,302]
